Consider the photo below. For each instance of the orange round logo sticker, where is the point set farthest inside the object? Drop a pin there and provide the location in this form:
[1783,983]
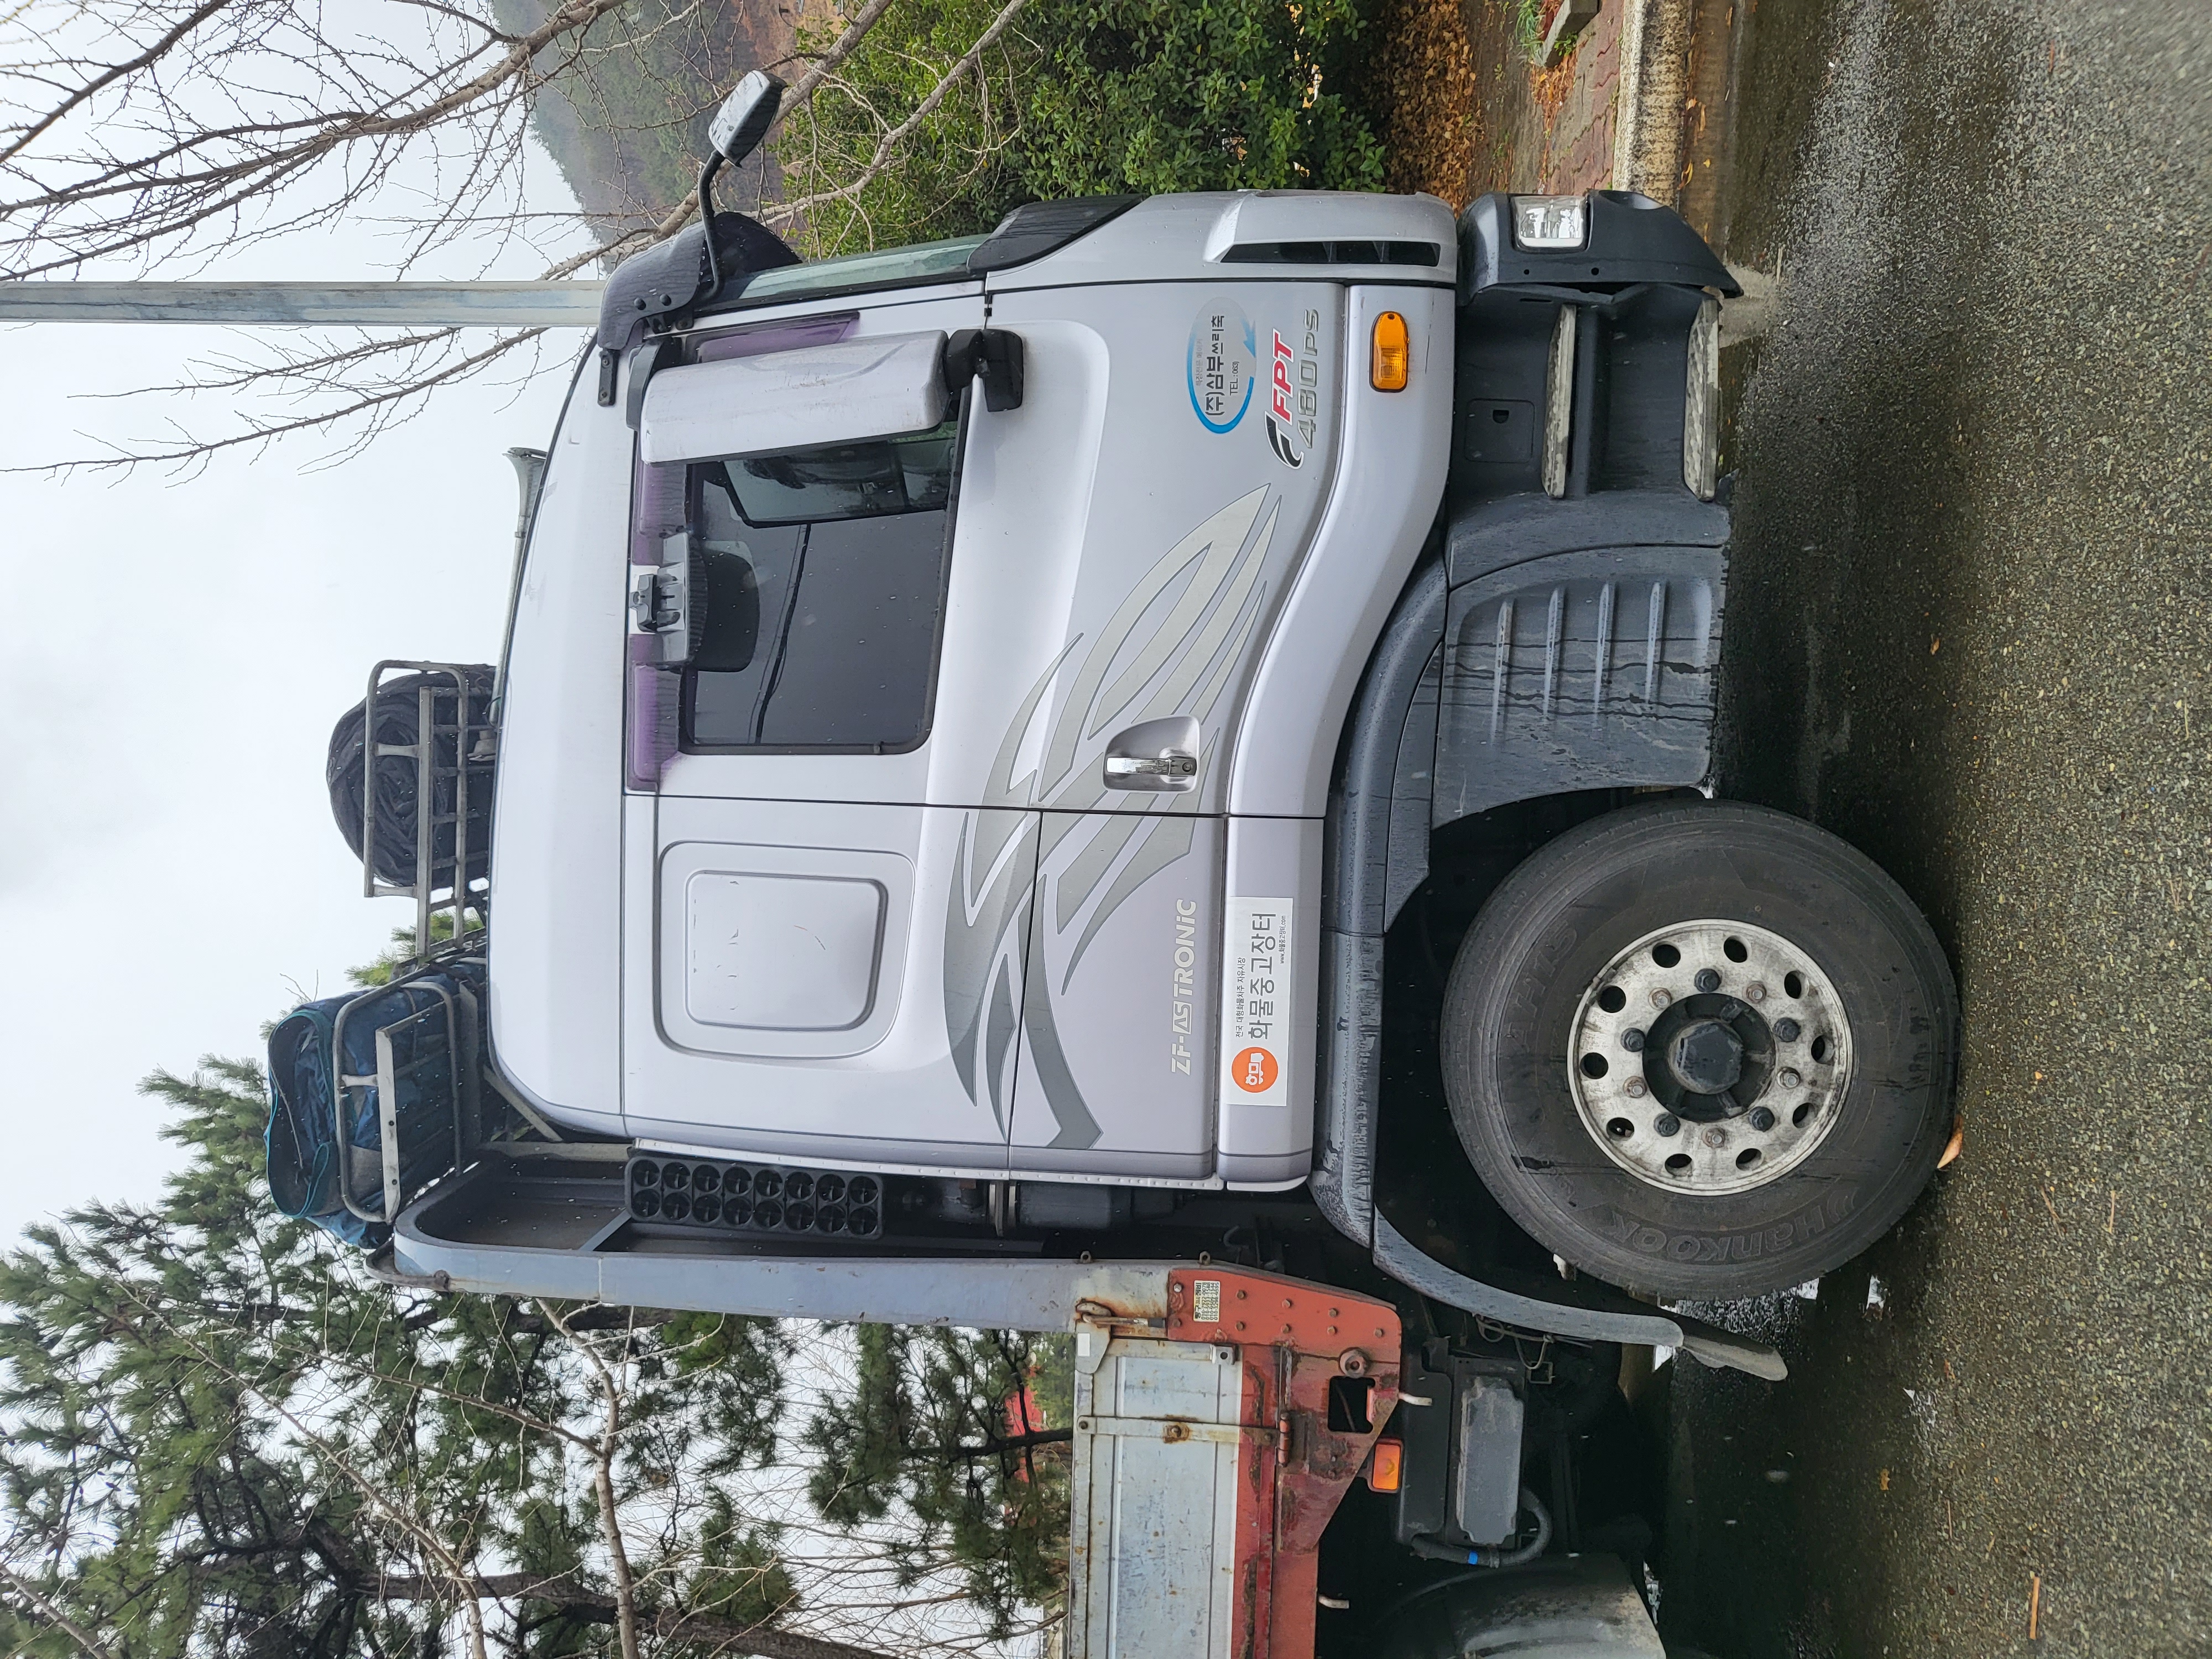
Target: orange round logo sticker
[1253,1071]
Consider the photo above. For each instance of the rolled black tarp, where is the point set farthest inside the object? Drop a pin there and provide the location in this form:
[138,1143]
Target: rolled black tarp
[398,713]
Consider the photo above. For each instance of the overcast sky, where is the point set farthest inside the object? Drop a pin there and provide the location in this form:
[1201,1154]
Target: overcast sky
[173,654]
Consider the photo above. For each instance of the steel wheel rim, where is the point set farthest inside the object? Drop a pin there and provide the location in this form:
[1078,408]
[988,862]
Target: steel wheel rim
[1738,1002]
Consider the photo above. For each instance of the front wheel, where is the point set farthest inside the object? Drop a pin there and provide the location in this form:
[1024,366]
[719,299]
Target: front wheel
[1703,1050]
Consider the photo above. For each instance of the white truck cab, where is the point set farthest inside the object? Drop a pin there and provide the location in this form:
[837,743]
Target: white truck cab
[1074,713]
[1150,774]
[965,813]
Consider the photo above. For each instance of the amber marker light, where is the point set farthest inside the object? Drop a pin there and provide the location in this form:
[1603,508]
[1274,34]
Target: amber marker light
[1393,354]
[1386,1466]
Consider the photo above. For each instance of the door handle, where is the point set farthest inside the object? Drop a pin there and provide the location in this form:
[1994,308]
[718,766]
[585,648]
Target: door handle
[1155,756]
[1166,767]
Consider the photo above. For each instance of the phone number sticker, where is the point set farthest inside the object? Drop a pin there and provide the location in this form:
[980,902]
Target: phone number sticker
[1256,1008]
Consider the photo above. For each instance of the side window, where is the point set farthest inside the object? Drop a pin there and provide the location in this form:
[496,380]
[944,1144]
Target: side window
[822,573]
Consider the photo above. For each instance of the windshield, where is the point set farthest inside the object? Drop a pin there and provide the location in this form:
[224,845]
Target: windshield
[891,267]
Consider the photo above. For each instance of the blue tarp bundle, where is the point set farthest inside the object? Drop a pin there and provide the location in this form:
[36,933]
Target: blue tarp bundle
[305,1165]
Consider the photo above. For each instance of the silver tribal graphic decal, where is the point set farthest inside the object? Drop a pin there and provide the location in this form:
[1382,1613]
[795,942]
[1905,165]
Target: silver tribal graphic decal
[1183,663]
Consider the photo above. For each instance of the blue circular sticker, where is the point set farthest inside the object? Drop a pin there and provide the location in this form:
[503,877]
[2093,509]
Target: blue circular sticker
[1223,351]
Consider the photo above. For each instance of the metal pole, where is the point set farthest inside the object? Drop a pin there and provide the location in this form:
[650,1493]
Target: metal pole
[308,305]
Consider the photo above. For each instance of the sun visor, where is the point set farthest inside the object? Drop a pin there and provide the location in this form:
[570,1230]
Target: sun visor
[823,394]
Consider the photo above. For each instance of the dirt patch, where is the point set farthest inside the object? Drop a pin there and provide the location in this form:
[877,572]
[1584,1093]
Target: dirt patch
[1498,34]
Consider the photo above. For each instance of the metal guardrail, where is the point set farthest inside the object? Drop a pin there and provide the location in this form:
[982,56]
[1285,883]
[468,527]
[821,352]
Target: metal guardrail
[308,305]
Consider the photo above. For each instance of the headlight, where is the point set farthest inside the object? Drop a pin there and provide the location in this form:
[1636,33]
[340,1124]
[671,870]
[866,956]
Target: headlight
[1549,221]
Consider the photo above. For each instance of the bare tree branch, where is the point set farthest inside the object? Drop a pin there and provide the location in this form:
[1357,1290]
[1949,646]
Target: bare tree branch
[259,119]
[602,1481]
[62,1621]
[799,96]
[109,76]
[888,148]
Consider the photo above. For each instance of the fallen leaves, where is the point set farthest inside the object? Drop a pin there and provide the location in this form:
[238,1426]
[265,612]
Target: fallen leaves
[1433,122]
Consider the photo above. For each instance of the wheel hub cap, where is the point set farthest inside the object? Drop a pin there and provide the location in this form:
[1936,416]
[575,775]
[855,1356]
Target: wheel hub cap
[1710,1057]
[1707,1059]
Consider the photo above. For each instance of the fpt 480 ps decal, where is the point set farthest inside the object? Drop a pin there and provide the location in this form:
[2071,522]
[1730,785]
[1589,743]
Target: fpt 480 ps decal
[1224,366]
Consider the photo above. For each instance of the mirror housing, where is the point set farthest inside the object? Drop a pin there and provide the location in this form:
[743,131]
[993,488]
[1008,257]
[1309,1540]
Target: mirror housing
[745,116]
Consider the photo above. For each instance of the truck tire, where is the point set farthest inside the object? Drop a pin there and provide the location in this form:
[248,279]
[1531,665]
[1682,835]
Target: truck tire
[1702,1049]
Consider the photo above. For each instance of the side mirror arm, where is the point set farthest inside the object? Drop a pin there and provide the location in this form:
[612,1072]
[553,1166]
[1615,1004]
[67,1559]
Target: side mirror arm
[713,285]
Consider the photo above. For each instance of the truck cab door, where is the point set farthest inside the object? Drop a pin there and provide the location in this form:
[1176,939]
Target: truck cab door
[788,987]
[1165,477]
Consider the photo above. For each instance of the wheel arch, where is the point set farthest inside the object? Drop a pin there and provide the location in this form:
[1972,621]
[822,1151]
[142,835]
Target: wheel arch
[1527,661]
[1551,648]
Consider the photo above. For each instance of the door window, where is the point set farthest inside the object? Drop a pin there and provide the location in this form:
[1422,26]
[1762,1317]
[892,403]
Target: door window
[823,574]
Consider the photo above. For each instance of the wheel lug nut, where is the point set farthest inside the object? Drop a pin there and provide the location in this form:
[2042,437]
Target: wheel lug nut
[1633,1040]
[1755,992]
[1666,1124]
[1662,997]
[1716,1137]
[1786,1029]
[1761,1118]
[1788,1079]
[1707,979]
[1633,1088]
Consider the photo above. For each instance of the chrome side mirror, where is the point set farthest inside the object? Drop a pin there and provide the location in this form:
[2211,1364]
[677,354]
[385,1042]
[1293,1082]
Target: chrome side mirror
[745,116]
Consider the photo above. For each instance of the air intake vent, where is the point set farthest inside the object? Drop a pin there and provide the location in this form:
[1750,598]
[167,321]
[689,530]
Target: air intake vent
[1331,253]
[757,1198]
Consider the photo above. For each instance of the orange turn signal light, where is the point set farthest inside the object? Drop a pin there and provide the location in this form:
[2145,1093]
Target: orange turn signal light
[1393,354]
[1386,1465]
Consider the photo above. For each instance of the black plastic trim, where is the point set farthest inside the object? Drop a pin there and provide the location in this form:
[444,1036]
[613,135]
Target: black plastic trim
[1036,228]
[1354,252]
[1365,875]
[661,284]
[1631,239]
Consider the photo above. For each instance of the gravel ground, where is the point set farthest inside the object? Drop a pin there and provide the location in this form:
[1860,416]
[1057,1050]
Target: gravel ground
[1970,630]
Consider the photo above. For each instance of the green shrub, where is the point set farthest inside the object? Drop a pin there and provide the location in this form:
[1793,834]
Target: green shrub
[1199,94]
[1079,98]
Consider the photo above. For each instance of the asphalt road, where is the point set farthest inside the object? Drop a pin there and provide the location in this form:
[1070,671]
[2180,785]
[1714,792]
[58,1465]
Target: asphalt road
[1970,630]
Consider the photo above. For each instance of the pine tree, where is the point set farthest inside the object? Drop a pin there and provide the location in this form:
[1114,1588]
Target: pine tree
[960,1439]
[223,1435]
